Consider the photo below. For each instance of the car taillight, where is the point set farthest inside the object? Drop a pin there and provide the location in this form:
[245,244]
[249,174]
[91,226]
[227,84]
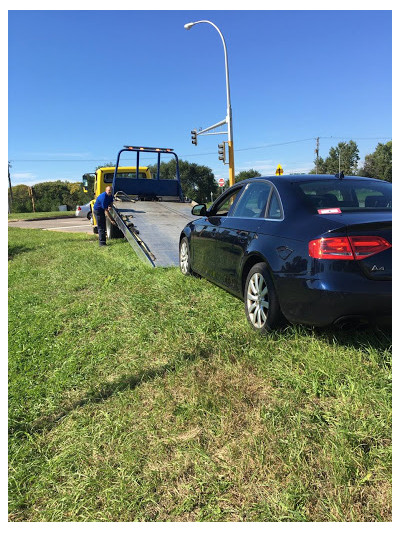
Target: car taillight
[79,208]
[330,248]
[364,246]
[354,247]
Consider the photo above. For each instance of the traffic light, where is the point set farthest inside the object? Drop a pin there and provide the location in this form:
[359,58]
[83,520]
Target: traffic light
[221,152]
[194,137]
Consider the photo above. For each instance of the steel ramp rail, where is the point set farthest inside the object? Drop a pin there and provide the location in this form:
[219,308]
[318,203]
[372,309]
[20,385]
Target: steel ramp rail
[153,228]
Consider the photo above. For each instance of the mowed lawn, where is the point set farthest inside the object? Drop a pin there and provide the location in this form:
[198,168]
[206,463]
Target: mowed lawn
[39,215]
[138,394]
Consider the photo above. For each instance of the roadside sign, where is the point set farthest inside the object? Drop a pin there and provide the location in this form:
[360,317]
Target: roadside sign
[221,182]
[279,170]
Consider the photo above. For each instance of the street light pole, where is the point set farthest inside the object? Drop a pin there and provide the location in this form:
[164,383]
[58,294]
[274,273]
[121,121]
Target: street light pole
[228,119]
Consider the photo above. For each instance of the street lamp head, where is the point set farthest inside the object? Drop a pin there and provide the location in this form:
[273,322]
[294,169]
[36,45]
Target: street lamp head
[188,25]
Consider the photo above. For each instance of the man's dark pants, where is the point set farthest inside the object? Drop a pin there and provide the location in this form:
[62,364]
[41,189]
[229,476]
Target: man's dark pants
[101,225]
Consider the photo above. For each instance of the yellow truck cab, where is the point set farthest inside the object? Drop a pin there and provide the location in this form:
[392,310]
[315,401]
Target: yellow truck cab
[104,178]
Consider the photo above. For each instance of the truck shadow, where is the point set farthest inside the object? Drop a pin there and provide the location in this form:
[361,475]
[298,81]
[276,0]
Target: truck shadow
[14,250]
[101,394]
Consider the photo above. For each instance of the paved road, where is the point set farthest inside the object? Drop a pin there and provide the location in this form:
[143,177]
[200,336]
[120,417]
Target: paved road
[73,224]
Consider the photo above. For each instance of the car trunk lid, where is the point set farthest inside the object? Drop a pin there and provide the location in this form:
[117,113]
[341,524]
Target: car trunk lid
[377,266]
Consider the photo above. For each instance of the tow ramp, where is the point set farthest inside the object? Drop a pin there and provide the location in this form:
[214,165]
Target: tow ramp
[153,228]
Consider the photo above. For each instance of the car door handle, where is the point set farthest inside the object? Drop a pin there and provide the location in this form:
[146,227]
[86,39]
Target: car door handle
[242,232]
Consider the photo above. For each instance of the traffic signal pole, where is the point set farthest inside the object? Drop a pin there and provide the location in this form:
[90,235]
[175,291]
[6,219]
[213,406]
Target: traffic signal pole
[231,164]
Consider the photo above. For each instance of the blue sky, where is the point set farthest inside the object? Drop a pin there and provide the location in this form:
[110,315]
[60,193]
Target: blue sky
[84,83]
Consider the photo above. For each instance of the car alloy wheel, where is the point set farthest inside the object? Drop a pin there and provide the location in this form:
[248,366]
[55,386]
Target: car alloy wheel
[261,300]
[184,258]
[257,300]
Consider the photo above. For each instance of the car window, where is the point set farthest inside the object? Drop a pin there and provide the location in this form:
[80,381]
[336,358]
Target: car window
[253,201]
[274,208]
[368,197]
[108,178]
[347,194]
[222,207]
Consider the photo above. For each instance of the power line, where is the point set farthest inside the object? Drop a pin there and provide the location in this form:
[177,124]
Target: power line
[201,154]
[272,145]
[183,155]
[358,138]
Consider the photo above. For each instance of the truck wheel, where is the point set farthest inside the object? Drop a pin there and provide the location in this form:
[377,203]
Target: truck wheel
[184,257]
[261,300]
[113,232]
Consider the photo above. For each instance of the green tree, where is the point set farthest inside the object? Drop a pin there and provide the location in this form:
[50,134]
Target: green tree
[77,195]
[319,166]
[246,174]
[379,163]
[197,181]
[348,154]
[107,165]
[21,200]
[50,194]
[345,155]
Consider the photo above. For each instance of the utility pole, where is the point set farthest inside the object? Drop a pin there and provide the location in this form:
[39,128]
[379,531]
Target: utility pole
[32,195]
[10,198]
[317,152]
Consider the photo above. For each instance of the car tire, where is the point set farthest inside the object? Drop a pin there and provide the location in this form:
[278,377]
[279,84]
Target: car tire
[184,257]
[89,216]
[112,232]
[261,300]
[95,230]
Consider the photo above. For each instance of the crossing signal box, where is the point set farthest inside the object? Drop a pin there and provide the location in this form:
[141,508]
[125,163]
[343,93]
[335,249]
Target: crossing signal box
[194,137]
[221,152]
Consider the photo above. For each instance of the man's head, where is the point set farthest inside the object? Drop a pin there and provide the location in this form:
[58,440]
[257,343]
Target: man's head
[108,191]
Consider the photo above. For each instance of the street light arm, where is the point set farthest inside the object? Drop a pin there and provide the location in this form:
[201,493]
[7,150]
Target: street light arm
[228,92]
[228,99]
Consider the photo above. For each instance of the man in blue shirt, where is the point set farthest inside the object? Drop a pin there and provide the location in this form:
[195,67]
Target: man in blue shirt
[101,211]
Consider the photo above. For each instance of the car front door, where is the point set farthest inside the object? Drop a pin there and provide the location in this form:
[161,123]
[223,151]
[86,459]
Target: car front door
[207,238]
[237,232]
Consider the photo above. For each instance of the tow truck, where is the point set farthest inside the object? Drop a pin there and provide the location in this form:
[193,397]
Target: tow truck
[149,211]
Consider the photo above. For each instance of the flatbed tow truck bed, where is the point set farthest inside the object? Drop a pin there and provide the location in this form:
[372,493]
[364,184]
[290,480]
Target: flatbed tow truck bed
[153,228]
[149,207]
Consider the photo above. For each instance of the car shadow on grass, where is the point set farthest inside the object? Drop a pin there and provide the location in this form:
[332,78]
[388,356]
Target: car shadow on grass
[354,336]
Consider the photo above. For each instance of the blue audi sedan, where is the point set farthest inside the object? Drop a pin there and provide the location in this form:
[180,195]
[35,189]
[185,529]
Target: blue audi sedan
[311,249]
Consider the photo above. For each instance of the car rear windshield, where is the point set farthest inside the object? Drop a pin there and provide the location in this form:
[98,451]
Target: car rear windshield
[346,194]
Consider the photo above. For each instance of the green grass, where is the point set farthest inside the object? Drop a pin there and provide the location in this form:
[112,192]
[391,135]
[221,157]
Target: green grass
[35,216]
[138,394]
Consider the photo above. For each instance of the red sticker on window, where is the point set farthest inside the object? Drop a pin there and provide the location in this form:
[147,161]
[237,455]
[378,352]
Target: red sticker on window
[330,211]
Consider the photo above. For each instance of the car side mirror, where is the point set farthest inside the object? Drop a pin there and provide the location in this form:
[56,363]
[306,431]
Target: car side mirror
[199,210]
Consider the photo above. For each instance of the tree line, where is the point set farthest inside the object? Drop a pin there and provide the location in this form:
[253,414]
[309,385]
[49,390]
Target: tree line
[345,157]
[48,196]
[198,181]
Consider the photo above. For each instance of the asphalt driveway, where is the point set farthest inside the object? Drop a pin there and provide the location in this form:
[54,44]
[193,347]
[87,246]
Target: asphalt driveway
[74,225]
